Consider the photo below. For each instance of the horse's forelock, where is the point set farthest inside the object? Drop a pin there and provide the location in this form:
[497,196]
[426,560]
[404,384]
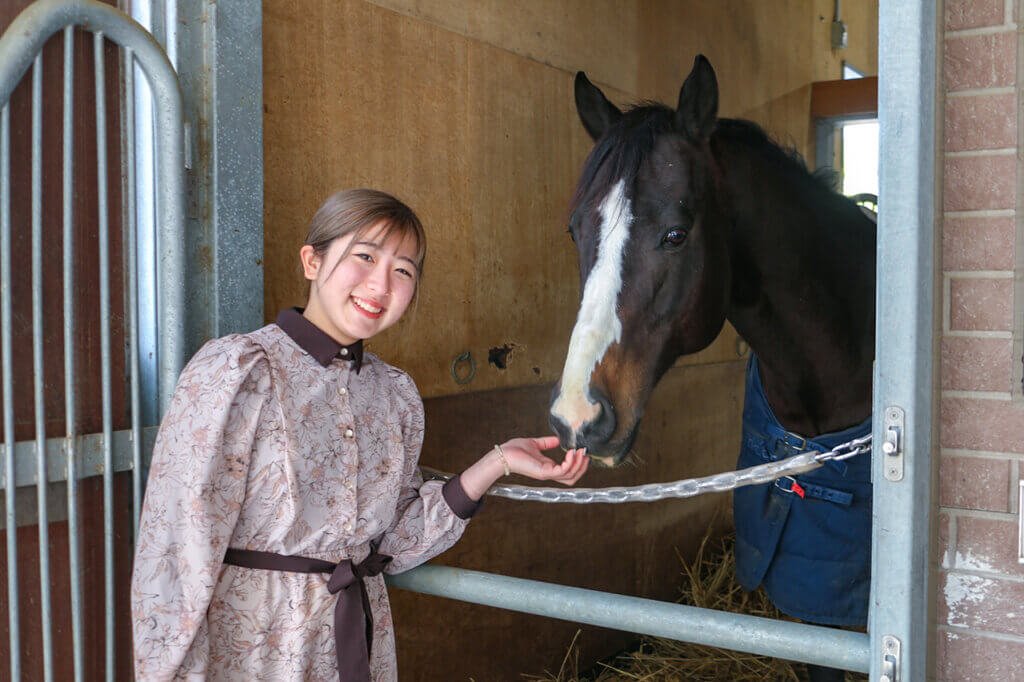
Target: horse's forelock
[618,154]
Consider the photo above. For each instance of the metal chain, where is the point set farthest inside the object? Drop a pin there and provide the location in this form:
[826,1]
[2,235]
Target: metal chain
[729,480]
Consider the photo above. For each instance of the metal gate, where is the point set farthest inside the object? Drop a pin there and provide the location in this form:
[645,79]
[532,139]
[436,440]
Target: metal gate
[896,645]
[74,455]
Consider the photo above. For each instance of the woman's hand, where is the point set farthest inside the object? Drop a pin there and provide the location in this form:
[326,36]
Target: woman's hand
[523,456]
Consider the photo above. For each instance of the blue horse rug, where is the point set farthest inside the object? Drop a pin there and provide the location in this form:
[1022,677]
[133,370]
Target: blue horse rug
[806,538]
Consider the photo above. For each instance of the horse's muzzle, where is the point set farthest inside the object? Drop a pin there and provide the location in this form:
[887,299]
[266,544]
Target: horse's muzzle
[593,433]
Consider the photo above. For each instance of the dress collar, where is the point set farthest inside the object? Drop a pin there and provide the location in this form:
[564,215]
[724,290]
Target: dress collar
[317,342]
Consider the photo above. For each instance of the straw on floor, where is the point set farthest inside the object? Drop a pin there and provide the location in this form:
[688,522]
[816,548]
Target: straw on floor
[707,582]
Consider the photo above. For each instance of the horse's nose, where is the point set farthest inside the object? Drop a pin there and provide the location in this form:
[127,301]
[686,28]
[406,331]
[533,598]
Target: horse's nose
[598,430]
[583,432]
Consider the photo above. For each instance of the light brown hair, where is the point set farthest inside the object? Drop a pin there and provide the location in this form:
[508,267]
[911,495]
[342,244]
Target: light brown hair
[354,211]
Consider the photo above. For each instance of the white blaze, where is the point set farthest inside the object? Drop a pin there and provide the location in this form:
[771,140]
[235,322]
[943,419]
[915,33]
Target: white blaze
[597,325]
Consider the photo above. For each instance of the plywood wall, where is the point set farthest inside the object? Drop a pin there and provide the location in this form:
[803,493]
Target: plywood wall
[464,109]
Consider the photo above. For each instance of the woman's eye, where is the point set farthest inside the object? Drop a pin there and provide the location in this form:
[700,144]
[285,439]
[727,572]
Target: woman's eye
[404,272]
[675,237]
[365,256]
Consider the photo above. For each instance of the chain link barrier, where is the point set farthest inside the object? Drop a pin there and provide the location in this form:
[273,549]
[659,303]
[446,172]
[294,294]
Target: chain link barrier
[690,487]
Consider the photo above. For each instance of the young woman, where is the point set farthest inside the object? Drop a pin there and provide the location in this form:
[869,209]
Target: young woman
[285,480]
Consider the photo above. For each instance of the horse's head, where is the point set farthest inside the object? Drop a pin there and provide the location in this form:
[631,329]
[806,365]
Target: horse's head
[653,256]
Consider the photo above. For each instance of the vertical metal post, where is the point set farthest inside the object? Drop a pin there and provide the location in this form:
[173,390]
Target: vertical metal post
[38,378]
[74,551]
[6,327]
[131,237]
[105,361]
[899,619]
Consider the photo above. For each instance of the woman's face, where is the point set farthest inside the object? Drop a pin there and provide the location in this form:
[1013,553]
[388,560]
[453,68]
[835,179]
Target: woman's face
[367,291]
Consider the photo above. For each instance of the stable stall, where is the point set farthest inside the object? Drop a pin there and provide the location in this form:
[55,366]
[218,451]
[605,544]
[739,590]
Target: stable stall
[465,110]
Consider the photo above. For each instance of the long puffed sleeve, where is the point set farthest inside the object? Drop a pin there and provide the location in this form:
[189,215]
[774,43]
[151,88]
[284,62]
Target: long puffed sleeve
[195,490]
[431,516]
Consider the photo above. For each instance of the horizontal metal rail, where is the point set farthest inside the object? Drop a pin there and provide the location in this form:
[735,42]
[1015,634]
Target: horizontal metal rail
[764,636]
[88,456]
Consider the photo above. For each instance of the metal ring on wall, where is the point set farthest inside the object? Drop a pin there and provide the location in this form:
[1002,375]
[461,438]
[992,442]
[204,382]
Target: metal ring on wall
[467,356]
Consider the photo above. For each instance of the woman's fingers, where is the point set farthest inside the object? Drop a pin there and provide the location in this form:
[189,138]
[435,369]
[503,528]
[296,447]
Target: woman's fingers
[572,467]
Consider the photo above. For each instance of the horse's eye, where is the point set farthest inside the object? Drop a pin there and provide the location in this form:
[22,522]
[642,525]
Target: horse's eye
[675,236]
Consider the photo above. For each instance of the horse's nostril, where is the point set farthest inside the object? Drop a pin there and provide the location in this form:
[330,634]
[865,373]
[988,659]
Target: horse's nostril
[599,430]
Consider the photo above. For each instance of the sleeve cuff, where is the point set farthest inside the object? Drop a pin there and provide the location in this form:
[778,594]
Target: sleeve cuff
[456,497]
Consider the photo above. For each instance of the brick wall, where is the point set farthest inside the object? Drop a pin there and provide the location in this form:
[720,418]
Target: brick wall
[980,585]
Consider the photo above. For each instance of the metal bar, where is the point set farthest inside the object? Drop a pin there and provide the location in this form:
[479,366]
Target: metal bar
[74,549]
[1020,522]
[781,639]
[38,376]
[904,344]
[133,287]
[14,629]
[89,450]
[105,361]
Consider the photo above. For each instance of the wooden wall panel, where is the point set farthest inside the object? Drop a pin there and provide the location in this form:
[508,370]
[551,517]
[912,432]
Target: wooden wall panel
[483,143]
[692,428]
[601,37]
[861,51]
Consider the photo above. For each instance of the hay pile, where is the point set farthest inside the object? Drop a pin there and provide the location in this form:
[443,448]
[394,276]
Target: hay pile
[708,583]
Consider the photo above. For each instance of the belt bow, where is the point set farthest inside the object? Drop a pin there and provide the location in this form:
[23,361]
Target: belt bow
[353,620]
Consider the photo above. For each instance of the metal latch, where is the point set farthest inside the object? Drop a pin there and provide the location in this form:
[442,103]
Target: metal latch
[893,443]
[890,659]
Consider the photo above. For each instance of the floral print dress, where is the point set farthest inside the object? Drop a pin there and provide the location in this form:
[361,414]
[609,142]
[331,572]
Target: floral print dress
[275,441]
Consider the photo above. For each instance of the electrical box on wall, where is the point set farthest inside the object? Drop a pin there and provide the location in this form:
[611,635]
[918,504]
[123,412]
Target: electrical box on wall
[838,35]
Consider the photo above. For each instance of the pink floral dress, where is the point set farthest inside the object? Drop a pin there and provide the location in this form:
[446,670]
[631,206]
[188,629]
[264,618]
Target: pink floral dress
[275,441]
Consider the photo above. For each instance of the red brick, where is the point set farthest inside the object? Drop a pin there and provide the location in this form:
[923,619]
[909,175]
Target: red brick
[975,483]
[944,552]
[980,61]
[971,424]
[977,364]
[964,14]
[987,545]
[972,601]
[981,122]
[962,657]
[980,304]
[978,243]
[973,183]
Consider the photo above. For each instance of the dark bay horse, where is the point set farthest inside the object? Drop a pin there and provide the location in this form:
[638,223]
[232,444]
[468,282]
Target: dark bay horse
[683,220]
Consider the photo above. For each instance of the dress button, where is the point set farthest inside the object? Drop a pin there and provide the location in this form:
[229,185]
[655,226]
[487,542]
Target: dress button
[344,352]
[347,527]
[349,433]
[349,485]
[343,390]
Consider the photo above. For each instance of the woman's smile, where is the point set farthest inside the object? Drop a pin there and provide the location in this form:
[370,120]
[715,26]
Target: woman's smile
[368,308]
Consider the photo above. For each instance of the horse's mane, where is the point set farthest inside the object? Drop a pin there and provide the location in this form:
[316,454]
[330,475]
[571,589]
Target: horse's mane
[785,156]
[618,154]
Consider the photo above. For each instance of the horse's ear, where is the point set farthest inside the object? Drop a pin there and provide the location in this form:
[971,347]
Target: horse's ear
[698,102]
[596,112]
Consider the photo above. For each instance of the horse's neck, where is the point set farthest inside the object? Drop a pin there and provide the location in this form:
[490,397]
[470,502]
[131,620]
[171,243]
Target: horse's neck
[804,301]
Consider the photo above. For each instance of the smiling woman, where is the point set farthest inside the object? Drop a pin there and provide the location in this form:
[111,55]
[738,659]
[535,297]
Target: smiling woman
[291,451]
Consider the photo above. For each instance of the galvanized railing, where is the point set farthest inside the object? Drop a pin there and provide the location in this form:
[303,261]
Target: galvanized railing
[78,455]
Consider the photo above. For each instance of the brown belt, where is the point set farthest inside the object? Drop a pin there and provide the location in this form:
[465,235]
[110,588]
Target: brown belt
[352,643]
